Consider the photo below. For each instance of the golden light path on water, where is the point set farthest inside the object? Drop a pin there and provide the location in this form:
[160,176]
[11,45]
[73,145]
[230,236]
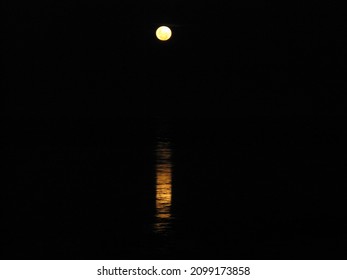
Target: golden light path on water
[163,217]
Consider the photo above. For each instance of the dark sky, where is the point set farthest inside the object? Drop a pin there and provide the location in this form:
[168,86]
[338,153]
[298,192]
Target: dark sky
[93,58]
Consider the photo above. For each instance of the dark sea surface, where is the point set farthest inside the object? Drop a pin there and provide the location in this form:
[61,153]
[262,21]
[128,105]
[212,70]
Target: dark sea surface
[238,188]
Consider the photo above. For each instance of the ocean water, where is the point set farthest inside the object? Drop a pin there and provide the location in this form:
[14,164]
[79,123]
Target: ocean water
[263,188]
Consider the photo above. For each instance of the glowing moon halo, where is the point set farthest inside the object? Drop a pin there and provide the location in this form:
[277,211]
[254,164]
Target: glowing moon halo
[163,33]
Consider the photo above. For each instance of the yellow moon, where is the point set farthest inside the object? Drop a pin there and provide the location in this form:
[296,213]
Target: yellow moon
[163,33]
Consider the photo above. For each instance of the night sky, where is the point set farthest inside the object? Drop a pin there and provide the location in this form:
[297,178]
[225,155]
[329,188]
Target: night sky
[69,58]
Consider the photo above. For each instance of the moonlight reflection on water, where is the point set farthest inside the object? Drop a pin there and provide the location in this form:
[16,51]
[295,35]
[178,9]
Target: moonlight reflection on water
[163,217]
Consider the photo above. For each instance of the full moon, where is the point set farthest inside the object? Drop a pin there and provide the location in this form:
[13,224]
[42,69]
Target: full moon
[163,33]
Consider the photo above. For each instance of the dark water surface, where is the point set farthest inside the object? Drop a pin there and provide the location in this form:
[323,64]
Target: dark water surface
[255,188]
